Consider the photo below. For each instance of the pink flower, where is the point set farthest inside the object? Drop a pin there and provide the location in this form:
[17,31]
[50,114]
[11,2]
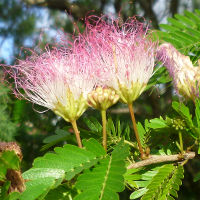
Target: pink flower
[124,54]
[186,77]
[57,79]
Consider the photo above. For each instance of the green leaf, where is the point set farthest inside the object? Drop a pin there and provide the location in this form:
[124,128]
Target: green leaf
[171,185]
[164,183]
[119,127]
[111,127]
[51,169]
[118,131]
[157,123]
[106,178]
[199,149]
[183,111]
[184,40]
[178,44]
[160,75]
[140,177]
[4,190]
[18,110]
[193,32]
[183,32]
[43,174]
[61,135]
[176,23]
[93,146]
[144,183]
[138,193]
[38,188]
[168,27]
[197,177]
[93,124]
[8,160]
[192,16]
[13,196]
[70,158]
[185,20]
[96,123]
[197,112]
[186,36]
[62,192]
[157,181]
[127,132]
[36,173]
[141,132]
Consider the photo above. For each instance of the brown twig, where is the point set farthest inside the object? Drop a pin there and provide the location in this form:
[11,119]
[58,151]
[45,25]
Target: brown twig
[154,159]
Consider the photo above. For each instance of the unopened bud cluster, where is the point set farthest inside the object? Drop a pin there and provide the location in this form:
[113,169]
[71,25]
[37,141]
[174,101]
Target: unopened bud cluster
[178,124]
[102,98]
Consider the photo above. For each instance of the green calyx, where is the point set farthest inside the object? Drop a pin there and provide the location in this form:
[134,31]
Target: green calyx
[128,95]
[73,108]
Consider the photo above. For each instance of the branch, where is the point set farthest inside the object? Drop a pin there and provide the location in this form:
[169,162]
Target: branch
[154,159]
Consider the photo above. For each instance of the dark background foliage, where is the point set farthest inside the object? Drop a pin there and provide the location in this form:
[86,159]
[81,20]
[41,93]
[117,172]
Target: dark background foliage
[31,23]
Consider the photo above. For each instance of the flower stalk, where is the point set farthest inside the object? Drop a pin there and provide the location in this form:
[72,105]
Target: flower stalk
[136,131]
[104,121]
[181,141]
[77,133]
[101,99]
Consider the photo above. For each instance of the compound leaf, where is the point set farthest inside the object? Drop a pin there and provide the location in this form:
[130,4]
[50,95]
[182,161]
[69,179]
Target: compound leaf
[106,178]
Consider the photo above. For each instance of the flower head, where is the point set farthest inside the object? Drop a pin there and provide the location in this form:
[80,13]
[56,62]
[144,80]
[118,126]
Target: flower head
[57,80]
[186,77]
[102,98]
[124,53]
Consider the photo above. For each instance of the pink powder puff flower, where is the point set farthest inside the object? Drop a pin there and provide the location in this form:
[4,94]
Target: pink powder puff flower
[186,77]
[58,80]
[124,53]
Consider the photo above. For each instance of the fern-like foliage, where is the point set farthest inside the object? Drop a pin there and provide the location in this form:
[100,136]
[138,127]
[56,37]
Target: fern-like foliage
[106,179]
[50,170]
[117,131]
[158,183]
[161,185]
[172,184]
[183,32]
